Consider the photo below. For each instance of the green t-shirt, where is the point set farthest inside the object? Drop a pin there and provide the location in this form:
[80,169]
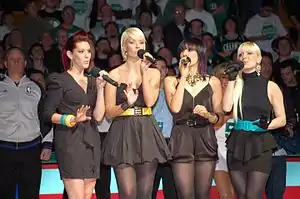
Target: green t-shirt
[219,10]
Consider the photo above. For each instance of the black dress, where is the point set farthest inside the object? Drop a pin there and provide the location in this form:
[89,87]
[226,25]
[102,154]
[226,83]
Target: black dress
[194,143]
[252,151]
[77,148]
[134,139]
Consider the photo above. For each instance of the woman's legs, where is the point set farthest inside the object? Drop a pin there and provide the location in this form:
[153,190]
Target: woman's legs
[204,171]
[74,188]
[184,175]
[126,180]
[145,174]
[224,185]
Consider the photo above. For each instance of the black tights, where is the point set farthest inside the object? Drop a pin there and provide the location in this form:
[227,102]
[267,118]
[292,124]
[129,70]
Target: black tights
[249,185]
[135,182]
[193,180]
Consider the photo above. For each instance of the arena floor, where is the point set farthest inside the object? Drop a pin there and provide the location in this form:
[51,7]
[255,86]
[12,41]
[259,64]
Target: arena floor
[52,187]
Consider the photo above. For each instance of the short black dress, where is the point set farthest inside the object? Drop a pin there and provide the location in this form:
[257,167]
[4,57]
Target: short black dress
[252,151]
[193,137]
[134,139]
[78,148]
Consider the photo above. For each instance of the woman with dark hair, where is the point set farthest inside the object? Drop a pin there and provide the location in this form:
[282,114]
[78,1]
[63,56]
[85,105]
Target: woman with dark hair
[149,6]
[74,103]
[230,39]
[195,100]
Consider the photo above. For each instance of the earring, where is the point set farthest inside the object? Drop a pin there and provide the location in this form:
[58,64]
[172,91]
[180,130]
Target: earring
[258,69]
[125,55]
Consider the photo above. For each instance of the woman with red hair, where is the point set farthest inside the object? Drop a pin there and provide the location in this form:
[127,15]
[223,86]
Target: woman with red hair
[74,103]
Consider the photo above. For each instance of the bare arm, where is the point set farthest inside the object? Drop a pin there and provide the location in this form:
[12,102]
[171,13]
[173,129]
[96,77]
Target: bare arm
[174,95]
[150,85]
[276,99]
[112,110]
[99,109]
[228,97]
[217,99]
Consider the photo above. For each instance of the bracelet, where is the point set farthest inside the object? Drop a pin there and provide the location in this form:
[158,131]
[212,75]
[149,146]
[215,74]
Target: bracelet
[63,119]
[125,106]
[70,121]
[218,117]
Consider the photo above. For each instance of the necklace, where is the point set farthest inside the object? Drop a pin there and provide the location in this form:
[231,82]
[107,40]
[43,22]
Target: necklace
[193,79]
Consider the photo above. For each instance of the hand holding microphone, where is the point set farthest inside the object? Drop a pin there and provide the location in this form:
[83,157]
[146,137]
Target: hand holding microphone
[102,75]
[183,66]
[147,60]
[233,69]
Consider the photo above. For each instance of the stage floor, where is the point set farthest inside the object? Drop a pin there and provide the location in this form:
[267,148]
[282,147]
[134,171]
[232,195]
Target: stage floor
[52,186]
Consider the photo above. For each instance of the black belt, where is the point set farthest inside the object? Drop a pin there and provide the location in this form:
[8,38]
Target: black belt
[193,123]
[20,145]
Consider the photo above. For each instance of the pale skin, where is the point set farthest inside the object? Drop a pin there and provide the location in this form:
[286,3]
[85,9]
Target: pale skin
[81,56]
[15,64]
[134,72]
[174,96]
[250,60]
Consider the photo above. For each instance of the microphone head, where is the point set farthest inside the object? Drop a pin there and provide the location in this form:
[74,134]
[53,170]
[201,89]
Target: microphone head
[141,53]
[185,60]
[239,65]
[95,72]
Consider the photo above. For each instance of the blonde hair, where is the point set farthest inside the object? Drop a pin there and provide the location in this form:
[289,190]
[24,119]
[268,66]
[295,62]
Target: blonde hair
[134,33]
[239,82]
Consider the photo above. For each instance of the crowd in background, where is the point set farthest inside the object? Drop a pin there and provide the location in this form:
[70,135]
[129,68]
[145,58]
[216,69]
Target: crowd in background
[221,25]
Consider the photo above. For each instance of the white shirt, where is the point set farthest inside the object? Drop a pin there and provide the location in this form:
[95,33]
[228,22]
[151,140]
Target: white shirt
[206,17]
[104,125]
[269,26]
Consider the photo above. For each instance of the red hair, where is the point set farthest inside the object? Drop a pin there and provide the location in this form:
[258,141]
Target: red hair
[79,36]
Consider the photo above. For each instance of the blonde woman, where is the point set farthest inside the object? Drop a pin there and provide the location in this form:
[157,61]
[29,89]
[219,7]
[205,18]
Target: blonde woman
[223,130]
[250,144]
[134,145]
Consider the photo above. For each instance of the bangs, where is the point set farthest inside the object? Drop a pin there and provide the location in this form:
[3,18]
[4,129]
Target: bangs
[191,45]
[249,47]
[187,45]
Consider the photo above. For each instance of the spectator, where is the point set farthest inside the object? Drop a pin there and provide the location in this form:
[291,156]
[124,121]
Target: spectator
[7,23]
[145,23]
[174,31]
[149,6]
[82,10]
[32,26]
[230,38]
[198,12]
[68,17]
[196,29]
[20,134]
[264,27]
[51,13]
[156,39]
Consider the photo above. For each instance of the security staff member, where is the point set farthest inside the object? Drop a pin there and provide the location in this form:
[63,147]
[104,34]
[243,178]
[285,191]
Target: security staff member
[20,132]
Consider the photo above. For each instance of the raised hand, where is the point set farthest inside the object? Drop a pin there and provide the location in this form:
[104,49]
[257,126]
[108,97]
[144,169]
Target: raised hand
[145,64]
[131,94]
[184,67]
[201,110]
[100,81]
[81,114]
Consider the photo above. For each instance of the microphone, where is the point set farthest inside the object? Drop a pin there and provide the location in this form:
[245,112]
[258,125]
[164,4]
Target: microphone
[234,67]
[141,53]
[95,73]
[185,60]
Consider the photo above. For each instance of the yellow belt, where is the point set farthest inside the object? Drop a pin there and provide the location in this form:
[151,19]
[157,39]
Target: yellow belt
[138,111]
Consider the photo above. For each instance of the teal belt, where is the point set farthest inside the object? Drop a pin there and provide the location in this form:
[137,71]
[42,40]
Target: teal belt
[246,125]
